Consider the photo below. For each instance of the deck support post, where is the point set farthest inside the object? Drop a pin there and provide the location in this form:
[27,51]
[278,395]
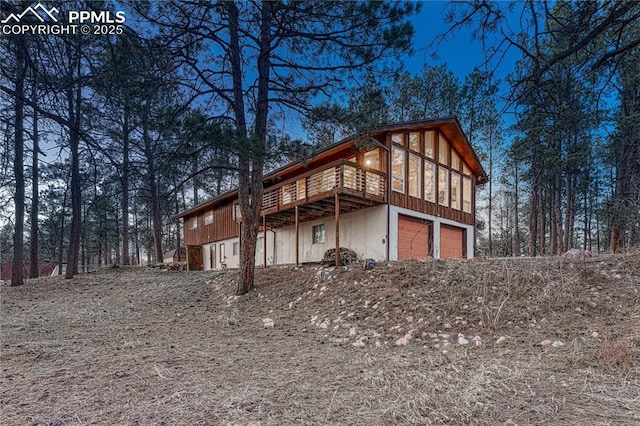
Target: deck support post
[297,219]
[337,218]
[264,240]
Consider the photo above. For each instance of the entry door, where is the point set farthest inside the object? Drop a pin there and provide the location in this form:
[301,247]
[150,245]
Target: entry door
[212,256]
[413,238]
[194,258]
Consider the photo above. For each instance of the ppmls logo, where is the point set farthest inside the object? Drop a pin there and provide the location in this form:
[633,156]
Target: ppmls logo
[40,20]
[38,11]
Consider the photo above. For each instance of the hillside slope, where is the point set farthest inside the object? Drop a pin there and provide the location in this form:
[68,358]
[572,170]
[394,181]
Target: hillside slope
[514,341]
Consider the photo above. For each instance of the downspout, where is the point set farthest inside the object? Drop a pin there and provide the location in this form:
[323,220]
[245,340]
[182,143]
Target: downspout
[273,262]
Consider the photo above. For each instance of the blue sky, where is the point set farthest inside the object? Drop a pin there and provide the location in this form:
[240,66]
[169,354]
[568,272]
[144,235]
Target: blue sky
[458,51]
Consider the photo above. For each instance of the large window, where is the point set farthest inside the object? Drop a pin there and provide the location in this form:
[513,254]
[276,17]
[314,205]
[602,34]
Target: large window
[414,175]
[194,222]
[397,169]
[443,150]
[455,161]
[429,181]
[414,142]
[466,195]
[429,138]
[319,234]
[443,186]
[456,191]
[398,138]
[372,159]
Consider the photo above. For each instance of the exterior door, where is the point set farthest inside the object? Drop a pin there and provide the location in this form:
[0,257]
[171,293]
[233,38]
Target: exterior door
[451,242]
[194,258]
[413,238]
[212,256]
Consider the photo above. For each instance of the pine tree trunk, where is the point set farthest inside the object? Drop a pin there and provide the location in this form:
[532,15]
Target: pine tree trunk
[125,186]
[18,166]
[34,264]
[74,104]
[517,250]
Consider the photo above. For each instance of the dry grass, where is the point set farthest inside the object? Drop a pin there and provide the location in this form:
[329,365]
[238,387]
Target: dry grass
[135,346]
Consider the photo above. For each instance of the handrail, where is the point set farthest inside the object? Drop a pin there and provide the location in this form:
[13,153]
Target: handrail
[346,176]
[339,176]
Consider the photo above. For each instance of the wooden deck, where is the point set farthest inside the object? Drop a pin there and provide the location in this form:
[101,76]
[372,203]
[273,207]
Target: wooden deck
[314,193]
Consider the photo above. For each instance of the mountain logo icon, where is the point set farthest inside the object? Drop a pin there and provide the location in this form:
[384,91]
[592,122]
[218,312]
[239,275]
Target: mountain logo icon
[38,11]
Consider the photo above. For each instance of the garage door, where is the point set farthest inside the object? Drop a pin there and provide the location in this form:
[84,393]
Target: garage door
[413,238]
[451,242]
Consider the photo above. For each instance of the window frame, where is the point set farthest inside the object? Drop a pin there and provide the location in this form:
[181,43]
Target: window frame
[432,144]
[208,218]
[443,143]
[318,233]
[414,142]
[456,197]
[434,174]
[466,183]
[398,178]
[418,179]
[443,189]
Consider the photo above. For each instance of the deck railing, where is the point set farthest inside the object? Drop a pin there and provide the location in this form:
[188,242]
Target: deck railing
[338,177]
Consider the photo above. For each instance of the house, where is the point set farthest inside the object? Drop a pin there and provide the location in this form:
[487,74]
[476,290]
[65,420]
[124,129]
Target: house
[408,192]
[45,269]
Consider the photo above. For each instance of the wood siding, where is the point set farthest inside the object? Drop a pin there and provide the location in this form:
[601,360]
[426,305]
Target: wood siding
[413,238]
[222,227]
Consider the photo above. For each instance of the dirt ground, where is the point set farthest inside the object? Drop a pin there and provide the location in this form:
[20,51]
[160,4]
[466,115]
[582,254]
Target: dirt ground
[514,342]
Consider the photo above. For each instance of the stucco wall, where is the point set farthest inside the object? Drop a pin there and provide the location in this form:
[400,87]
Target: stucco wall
[364,232]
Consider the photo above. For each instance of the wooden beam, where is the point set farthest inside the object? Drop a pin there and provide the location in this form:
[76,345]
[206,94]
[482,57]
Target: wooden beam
[297,219]
[337,201]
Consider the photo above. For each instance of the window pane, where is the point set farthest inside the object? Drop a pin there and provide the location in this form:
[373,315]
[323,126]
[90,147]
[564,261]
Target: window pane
[414,175]
[466,195]
[319,234]
[194,223]
[397,170]
[208,218]
[443,151]
[236,248]
[223,256]
[372,159]
[398,138]
[455,161]
[414,142]
[429,137]
[455,191]
[465,169]
[429,181]
[443,186]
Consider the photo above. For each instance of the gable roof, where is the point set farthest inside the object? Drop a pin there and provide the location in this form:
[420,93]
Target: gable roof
[449,126]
